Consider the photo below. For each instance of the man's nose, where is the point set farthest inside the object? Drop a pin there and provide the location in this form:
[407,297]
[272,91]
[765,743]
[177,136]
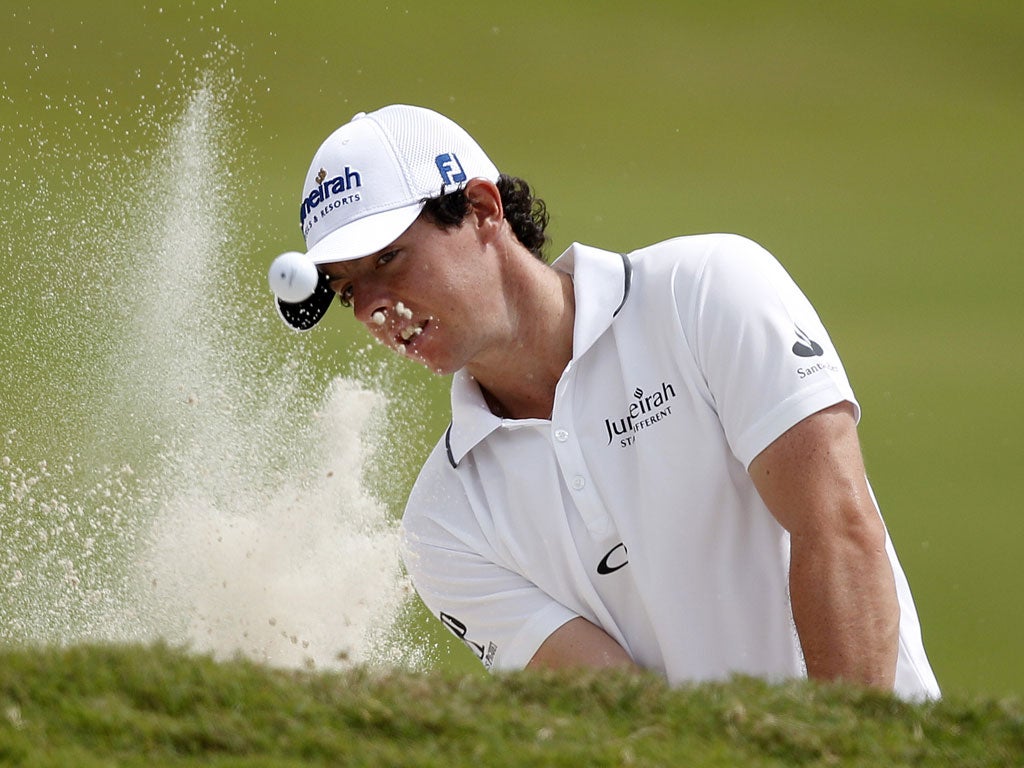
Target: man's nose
[370,302]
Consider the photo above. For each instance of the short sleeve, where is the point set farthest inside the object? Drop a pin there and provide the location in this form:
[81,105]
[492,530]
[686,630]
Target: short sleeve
[501,616]
[766,357]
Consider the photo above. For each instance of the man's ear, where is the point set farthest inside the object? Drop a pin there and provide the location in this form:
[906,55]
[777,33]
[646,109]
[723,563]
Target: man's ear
[485,205]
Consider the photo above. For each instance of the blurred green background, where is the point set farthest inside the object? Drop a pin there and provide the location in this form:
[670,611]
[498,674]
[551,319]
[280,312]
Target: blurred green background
[877,148]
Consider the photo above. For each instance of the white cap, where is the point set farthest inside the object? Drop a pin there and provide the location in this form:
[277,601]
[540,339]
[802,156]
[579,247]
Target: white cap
[370,179]
[367,184]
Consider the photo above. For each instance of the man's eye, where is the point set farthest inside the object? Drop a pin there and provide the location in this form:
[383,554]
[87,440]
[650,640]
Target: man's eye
[345,296]
[384,258]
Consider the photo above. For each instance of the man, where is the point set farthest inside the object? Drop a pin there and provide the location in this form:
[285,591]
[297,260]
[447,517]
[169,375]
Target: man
[653,457]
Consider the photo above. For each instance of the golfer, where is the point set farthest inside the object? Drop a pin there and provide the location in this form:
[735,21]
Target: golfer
[653,457]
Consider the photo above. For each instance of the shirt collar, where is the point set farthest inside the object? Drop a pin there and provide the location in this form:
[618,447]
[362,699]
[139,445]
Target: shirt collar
[601,281]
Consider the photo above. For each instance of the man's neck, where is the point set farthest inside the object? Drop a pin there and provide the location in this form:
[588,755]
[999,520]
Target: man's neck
[520,383]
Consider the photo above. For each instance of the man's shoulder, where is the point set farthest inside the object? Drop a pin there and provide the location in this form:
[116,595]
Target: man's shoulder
[689,260]
[684,250]
[694,247]
[439,464]
[438,485]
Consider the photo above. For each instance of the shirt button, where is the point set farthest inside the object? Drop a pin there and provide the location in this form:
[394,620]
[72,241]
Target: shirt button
[561,435]
[578,483]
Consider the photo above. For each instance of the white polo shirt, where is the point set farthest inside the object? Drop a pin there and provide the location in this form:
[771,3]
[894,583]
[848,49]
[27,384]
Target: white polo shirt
[632,507]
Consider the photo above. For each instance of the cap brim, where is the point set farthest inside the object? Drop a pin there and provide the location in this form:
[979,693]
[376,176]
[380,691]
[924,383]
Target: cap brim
[305,314]
[364,236]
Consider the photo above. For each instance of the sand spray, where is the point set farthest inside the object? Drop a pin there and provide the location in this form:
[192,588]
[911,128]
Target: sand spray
[182,482]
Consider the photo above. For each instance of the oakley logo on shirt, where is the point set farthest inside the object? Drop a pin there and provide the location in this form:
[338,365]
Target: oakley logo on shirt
[614,560]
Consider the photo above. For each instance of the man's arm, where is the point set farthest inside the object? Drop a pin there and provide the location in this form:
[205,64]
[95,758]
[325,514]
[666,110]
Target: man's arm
[578,643]
[841,583]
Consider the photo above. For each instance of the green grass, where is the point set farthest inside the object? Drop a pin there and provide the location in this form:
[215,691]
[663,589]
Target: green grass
[157,706]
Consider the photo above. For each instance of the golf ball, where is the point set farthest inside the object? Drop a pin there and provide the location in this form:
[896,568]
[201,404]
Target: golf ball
[292,277]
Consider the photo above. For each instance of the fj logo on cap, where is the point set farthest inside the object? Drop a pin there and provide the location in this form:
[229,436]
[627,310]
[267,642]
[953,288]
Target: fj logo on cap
[450,168]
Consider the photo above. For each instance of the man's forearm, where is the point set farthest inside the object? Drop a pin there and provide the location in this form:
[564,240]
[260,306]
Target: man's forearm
[845,608]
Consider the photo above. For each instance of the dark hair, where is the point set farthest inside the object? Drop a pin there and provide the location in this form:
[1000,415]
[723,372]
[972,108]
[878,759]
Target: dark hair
[527,214]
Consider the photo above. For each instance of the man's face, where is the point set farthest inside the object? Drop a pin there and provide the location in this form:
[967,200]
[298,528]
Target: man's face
[432,294]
